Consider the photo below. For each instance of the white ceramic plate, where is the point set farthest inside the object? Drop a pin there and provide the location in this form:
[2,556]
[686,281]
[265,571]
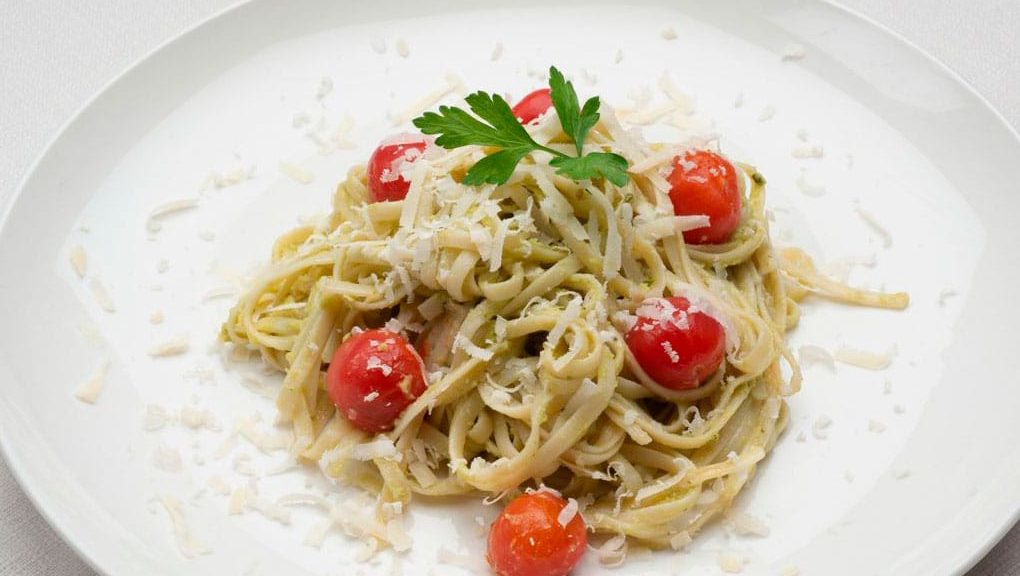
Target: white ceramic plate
[903,139]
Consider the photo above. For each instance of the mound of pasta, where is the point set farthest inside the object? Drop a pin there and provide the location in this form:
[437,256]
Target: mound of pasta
[615,340]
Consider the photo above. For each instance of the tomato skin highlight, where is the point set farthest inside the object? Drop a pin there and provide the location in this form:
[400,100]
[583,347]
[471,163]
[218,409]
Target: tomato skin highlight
[533,105]
[373,377]
[676,347]
[703,182]
[385,183]
[528,540]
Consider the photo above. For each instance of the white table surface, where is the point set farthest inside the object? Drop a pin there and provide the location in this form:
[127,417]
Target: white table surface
[55,54]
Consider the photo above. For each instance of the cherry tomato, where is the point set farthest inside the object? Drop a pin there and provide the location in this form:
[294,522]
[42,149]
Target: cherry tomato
[385,182]
[528,540]
[532,106]
[373,377]
[677,347]
[704,182]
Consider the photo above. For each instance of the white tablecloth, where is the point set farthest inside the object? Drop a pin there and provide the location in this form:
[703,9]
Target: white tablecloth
[54,54]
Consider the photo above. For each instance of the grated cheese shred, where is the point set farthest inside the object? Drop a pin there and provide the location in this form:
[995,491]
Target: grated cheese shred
[89,390]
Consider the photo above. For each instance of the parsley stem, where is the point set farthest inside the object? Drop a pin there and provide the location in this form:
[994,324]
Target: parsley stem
[551,151]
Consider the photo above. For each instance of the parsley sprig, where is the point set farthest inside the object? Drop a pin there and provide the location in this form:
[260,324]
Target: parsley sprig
[494,125]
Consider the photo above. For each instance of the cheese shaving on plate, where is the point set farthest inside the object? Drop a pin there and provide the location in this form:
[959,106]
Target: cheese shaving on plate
[296,173]
[865,359]
[811,355]
[731,562]
[453,85]
[794,51]
[78,260]
[875,226]
[153,224]
[173,347]
[186,541]
[568,512]
[101,296]
[89,390]
[809,151]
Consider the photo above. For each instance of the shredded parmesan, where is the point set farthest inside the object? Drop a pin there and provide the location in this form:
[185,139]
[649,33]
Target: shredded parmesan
[89,390]
[173,347]
[296,173]
[808,151]
[473,349]
[790,571]
[569,315]
[101,296]
[153,224]
[446,556]
[78,260]
[793,51]
[264,441]
[668,33]
[876,426]
[186,541]
[568,512]
[167,460]
[218,485]
[156,317]
[767,113]
[680,540]
[156,418]
[453,85]
[811,355]
[381,447]
[403,50]
[809,188]
[613,551]
[196,419]
[497,52]
[865,359]
[239,500]
[230,177]
[731,562]
[820,428]
[745,524]
[878,229]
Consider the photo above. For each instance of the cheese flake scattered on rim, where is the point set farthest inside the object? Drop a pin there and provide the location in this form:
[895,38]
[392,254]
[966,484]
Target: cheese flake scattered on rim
[89,390]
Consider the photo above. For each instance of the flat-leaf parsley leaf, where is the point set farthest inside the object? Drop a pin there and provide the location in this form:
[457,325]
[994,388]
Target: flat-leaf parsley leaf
[494,125]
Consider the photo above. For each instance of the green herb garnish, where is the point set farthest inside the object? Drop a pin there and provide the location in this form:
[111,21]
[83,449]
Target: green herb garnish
[455,127]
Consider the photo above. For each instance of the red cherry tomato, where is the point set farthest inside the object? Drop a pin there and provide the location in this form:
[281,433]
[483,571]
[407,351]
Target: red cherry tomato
[532,106]
[704,182]
[385,182]
[373,377]
[528,540]
[676,347]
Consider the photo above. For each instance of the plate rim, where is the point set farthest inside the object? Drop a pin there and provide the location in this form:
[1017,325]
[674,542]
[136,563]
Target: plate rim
[100,562]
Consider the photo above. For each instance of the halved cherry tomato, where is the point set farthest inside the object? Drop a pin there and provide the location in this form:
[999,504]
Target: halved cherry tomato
[675,346]
[385,181]
[528,540]
[704,182]
[373,377]
[532,106]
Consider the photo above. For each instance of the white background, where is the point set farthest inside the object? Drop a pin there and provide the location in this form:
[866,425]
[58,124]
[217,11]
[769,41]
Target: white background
[55,54]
